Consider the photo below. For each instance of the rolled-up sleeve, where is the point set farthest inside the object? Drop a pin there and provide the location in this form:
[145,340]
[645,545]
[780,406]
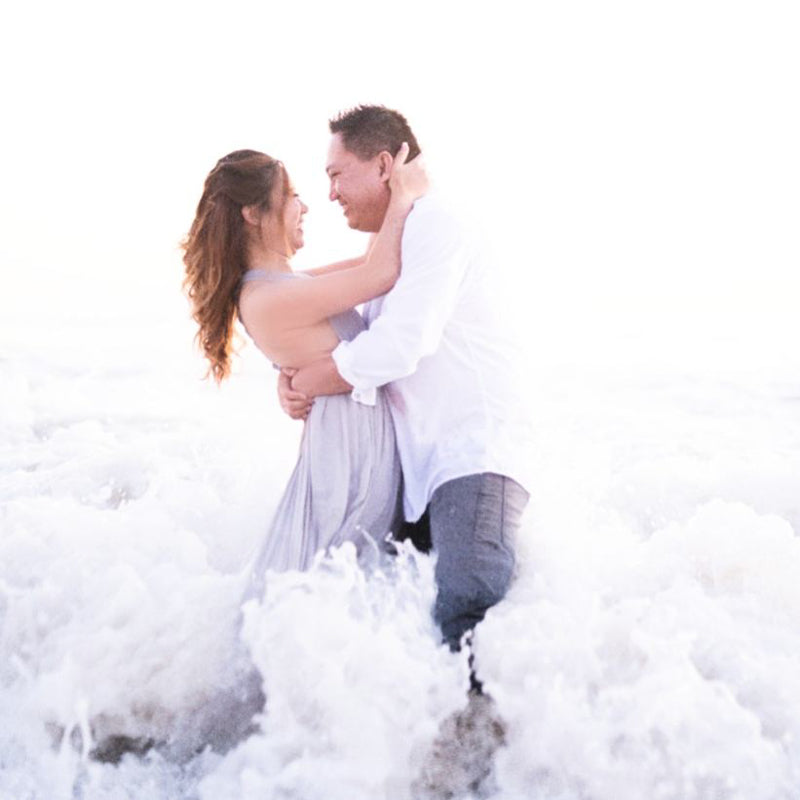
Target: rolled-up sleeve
[435,255]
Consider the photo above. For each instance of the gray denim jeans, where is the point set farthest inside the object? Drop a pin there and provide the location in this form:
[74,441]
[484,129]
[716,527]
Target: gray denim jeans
[472,525]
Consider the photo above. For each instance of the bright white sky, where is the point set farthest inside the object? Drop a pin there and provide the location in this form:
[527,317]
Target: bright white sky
[635,162]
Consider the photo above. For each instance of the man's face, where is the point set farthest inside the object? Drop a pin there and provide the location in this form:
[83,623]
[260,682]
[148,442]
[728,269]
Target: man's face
[361,187]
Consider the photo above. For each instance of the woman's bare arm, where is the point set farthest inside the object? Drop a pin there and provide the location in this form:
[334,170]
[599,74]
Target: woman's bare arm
[346,264]
[299,303]
[336,266]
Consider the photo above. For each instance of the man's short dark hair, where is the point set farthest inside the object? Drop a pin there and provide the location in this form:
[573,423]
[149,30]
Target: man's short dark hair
[369,130]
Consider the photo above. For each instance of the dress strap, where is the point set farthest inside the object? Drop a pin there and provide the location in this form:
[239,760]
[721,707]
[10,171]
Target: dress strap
[262,275]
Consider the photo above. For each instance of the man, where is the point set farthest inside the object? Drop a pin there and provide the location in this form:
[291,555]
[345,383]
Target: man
[436,343]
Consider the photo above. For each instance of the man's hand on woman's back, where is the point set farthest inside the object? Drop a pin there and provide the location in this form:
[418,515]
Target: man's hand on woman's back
[294,403]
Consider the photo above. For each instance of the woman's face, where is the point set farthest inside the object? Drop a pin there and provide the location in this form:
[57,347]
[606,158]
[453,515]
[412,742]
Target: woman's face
[293,213]
[281,228]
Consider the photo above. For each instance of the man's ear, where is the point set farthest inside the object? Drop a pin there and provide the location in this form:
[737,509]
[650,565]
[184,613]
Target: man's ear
[385,161]
[251,214]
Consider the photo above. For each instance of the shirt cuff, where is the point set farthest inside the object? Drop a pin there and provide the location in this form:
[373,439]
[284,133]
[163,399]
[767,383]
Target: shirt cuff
[342,357]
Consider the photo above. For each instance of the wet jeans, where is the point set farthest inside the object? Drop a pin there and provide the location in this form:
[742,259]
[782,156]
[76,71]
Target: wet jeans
[471,523]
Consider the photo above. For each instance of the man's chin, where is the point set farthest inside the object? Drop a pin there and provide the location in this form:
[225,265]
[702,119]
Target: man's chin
[361,224]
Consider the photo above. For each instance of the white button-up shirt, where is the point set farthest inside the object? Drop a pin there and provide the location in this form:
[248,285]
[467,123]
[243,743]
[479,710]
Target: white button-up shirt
[437,342]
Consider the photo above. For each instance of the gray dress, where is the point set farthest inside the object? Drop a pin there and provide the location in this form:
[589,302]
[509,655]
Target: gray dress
[346,485]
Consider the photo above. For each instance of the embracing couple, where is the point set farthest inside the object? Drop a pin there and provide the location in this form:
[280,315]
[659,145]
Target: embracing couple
[414,424]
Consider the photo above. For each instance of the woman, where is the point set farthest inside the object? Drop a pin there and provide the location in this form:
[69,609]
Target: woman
[345,486]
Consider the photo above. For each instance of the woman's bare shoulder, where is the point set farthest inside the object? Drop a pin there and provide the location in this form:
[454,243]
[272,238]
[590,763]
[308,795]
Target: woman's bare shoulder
[266,293]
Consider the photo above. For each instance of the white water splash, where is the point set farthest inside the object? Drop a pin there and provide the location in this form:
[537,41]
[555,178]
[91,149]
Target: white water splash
[648,647]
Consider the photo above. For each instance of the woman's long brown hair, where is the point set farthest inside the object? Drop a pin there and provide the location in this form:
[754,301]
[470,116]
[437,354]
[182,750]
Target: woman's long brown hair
[215,250]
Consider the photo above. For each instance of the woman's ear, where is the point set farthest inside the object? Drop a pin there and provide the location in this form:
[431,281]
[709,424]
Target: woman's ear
[251,214]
